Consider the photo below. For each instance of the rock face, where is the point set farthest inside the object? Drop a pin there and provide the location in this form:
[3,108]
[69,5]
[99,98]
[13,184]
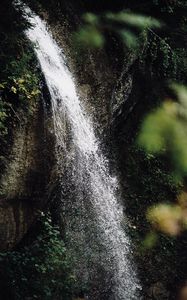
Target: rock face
[26,177]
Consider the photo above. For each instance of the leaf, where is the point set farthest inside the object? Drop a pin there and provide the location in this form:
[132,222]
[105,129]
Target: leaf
[13,89]
[90,36]
[20,81]
[91,18]
[135,20]
[128,38]
[2,86]
[166,218]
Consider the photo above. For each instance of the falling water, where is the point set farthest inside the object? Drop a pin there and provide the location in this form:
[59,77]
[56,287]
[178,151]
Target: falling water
[100,185]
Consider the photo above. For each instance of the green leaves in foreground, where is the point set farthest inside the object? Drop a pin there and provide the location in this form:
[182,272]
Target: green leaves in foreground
[89,36]
[134,20]
[126,25]
[165,131]
[170,219]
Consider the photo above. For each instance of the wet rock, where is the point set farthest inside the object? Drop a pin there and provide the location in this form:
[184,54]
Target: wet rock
[23,184]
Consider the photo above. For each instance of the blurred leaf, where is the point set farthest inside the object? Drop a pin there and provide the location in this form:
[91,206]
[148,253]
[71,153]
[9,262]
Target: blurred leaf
[89,36]
[181,92]
[91,18]
[128,38]
[165,130]
[166,218]
[126,24]
[13,89]
[134,20]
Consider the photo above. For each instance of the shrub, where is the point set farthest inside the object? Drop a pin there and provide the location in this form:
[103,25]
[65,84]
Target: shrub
[40,270]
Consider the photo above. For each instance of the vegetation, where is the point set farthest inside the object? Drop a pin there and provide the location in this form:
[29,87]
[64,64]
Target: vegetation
[40,269]
[127,26]
[156,180]
[155,168]
[164,132]
[19,76]
[161,53]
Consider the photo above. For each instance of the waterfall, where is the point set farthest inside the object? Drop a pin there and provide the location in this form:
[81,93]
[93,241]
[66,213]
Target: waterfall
[92,169]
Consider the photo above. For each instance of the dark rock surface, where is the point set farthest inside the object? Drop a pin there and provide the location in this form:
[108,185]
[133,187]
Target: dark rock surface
[24,182]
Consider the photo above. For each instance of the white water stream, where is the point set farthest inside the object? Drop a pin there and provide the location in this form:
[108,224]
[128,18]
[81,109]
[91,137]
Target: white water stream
[101,185]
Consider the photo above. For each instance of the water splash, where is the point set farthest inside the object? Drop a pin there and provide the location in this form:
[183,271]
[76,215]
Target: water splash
[92,170]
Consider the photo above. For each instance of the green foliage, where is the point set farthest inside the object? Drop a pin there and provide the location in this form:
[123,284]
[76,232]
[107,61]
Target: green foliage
[158,58]
[12,25]
[124,24]
[166,218]
[89,36]
[164,130]
[149,181]
[40,270]
[19,87]
[19,79]
[3,118]
[21,76]
[159,44]
[133,20]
